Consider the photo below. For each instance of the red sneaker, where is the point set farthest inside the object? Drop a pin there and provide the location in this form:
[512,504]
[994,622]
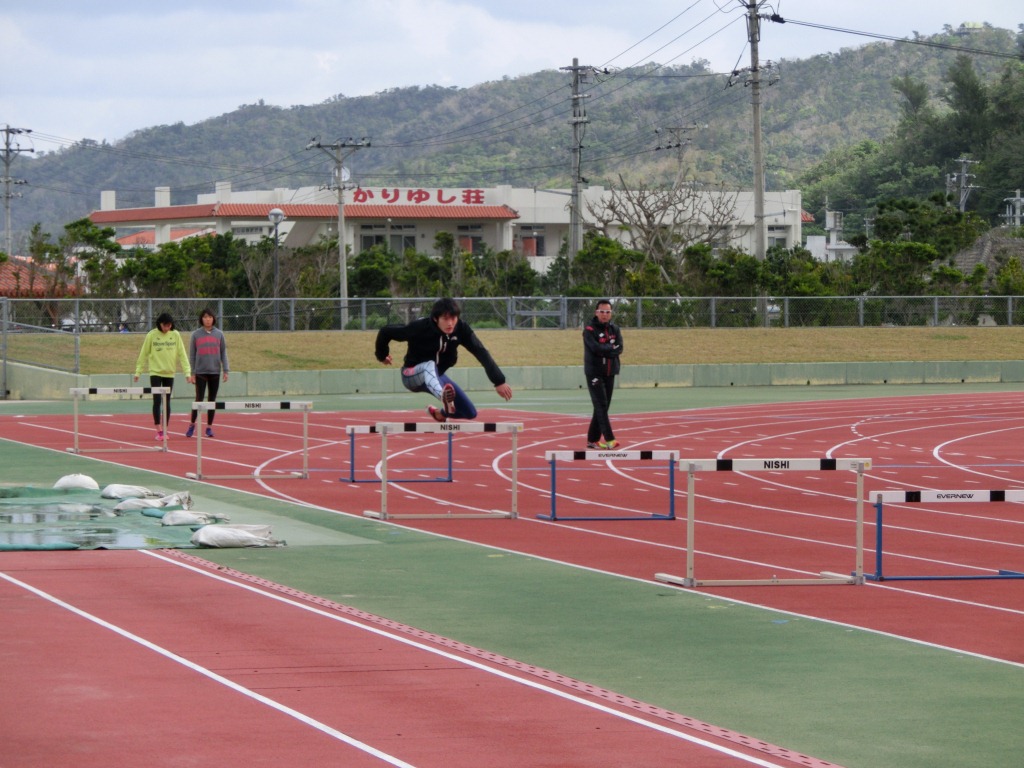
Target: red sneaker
[436,413]
[448,399]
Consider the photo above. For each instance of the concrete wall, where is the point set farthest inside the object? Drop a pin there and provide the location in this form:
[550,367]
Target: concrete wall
[31,383]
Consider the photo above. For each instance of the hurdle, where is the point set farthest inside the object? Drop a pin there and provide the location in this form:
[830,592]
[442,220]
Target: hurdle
[447,427]
[252,405]
[371,429]
[83,392]
[769,465]
[671,457]
[936,497]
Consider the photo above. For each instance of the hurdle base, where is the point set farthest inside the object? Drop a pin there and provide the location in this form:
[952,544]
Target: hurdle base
[679,581]
[826,578]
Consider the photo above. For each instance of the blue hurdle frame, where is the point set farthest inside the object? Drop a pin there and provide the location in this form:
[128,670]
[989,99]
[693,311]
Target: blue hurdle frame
[611,455]
[448,478]
[878,575]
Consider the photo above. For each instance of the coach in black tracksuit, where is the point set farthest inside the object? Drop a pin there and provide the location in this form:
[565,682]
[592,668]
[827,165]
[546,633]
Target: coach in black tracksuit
[602,345]
[433,349]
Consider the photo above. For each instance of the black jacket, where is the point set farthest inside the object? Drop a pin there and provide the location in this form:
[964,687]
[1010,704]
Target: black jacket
[426,342]
[602,345]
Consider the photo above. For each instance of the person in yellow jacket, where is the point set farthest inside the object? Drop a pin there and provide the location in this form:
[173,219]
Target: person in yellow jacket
[161,351]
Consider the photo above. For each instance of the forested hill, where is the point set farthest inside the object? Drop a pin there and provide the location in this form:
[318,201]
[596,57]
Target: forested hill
[645,124]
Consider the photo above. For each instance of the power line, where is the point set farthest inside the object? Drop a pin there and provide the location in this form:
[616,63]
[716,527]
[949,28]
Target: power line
[926,43]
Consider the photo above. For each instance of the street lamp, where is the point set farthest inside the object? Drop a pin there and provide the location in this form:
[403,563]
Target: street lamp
[276,216]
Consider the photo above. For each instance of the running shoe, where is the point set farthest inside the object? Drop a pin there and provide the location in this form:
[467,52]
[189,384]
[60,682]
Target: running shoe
[191,430]
[609,445]
[593,446]
[159,435]
[209,431]
[448,398]
[436,413]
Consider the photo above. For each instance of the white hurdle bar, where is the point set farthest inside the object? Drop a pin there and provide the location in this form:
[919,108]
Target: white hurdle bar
[252,405]
[371,429]
[672,457]
[82,392]
[447,427]
[693,466]
[938,497]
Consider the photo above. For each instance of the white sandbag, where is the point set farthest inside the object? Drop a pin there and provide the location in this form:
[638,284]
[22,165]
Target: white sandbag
[181,499]
[117,491]
[187,517]
[77,481]
[132,504]
[234,536]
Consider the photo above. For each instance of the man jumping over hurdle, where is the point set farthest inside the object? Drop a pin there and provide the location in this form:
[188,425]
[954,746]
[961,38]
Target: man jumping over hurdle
[433,349]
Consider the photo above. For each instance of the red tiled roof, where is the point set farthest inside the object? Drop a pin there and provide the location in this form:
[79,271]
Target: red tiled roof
[260,211]
[167,213]
[22,279]
[805,217]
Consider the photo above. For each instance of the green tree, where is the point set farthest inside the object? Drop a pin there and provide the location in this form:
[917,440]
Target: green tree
[898,268]
[793,272]
[370,272]
[1009,280]
[728,273]
[505,273]
[160,273]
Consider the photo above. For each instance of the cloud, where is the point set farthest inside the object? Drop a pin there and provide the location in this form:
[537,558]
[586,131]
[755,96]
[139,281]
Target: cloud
[103,69]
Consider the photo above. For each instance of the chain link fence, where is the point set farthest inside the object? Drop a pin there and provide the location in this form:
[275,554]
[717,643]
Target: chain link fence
[44,331]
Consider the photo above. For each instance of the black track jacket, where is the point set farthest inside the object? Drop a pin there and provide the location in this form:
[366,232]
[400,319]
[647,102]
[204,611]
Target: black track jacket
[426,342]
[602,345]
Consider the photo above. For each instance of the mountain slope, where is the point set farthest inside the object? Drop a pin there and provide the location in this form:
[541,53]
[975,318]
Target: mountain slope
[514,131]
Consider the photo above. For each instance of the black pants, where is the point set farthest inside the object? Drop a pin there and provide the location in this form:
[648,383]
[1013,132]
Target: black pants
[600,388]
[204,382]
[158,400]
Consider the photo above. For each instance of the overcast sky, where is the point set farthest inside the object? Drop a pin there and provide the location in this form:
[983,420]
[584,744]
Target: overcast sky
[78,69]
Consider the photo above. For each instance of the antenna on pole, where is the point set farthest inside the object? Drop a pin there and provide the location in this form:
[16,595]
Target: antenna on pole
[10,151]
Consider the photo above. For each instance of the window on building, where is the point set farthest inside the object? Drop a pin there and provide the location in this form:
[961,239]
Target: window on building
[532,238]
[777,235]
[470,237]
[397,237]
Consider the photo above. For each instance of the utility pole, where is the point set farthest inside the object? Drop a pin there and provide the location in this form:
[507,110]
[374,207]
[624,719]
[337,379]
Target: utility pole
[754,81]
[339,151]
[578,123]
[10,151]
[963,179]
[754,36]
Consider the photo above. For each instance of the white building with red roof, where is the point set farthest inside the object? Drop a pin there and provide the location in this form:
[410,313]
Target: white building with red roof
[533,222]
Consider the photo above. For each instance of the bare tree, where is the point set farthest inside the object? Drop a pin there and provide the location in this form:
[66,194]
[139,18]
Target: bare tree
[663,222]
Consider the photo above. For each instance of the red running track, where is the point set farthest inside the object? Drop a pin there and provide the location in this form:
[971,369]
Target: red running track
[248,675]
[750,525]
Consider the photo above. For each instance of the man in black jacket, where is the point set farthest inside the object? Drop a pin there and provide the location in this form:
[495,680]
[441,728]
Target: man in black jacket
[602,345]
[433,349]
